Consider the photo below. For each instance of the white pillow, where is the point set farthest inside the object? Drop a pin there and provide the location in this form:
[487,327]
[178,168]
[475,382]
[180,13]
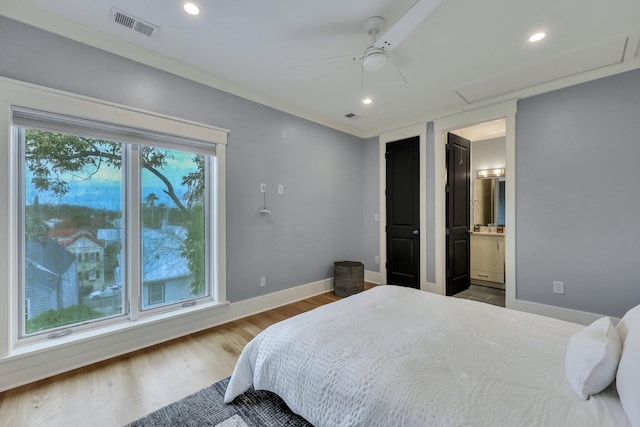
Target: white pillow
[628,377]
[630,321]
[592,358]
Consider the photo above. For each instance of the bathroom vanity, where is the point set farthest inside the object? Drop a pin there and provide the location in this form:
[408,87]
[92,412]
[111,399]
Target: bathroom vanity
[487,258]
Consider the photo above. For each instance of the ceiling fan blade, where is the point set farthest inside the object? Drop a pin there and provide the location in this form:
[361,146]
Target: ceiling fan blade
[393,61]
[406,24]
[330,60]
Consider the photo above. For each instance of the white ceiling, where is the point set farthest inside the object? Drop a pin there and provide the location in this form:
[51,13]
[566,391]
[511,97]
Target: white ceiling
[268,50]
[482,131]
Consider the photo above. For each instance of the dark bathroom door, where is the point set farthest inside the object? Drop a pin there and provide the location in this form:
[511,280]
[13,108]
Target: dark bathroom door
[458,199]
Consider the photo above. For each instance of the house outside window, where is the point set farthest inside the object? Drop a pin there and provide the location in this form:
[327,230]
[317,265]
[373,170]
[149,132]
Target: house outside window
[156,293]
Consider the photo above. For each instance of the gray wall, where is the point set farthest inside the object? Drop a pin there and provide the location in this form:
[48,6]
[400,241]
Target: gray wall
[316,222]
[578,195]
[371,203]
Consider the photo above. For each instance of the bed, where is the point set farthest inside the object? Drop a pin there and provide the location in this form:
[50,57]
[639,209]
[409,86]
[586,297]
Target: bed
[398,356]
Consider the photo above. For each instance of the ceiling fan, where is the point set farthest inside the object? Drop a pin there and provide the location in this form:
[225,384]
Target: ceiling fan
[375,57]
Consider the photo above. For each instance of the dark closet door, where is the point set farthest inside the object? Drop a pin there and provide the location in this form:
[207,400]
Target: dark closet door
[458,213]
[403,212]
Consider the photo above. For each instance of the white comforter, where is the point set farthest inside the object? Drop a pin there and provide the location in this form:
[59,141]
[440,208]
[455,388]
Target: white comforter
[396,356]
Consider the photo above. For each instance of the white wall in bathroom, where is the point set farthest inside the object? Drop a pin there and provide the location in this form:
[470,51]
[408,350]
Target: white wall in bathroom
[487,154]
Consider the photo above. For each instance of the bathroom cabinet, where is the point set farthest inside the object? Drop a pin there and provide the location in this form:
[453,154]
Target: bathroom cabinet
[487,257]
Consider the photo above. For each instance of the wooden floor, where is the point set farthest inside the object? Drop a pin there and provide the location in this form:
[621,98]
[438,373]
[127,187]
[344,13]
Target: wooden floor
[123,389]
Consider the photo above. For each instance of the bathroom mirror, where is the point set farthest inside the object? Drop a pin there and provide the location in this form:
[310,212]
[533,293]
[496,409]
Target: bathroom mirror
[488,201]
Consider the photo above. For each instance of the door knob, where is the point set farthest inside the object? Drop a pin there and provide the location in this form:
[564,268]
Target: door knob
[416,232]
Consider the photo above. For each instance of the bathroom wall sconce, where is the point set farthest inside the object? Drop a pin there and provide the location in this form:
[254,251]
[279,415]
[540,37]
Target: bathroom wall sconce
[491,173]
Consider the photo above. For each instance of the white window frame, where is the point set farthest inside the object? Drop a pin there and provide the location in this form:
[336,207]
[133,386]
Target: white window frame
[131,212]
[22,361]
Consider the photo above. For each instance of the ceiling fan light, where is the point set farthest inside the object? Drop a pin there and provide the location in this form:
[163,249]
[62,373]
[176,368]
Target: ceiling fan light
[374,59]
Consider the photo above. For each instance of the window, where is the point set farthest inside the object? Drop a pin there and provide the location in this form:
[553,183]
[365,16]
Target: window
[173,228]
[26,357]
[143,199]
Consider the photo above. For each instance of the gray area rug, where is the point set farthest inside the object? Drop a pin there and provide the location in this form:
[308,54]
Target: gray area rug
[206,408]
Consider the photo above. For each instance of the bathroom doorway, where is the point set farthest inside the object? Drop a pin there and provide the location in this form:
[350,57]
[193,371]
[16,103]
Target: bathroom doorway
[487,212]
[487,202]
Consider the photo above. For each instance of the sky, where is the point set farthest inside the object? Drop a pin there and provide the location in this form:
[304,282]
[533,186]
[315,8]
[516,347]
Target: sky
[103,190]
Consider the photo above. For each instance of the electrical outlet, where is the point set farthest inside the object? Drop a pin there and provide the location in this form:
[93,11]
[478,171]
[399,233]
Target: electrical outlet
[558,288]
[376,217]
[263,281]
[263,188]
[280,189]
[376,259]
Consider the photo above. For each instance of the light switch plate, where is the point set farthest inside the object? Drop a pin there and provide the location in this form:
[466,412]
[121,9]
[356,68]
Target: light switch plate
[558,288]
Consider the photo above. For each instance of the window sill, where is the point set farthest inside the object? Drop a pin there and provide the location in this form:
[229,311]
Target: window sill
[30,362]
[115,328]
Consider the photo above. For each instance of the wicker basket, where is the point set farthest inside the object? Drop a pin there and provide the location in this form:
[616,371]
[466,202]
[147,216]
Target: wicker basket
[348,277]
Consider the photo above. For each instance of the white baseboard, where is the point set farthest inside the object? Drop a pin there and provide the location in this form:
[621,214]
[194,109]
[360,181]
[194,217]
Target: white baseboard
[373,277]
[32,363]
[432,287]
[259,304]
[570,315]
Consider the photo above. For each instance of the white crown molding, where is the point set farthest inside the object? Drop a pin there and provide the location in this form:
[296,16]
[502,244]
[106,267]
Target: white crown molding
[628,65]
[23,12]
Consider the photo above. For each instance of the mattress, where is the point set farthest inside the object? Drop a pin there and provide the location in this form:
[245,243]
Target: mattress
[398,356]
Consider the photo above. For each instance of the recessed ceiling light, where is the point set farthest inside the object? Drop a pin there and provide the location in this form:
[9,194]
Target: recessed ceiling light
[367,101]
[537,37]
[191,9]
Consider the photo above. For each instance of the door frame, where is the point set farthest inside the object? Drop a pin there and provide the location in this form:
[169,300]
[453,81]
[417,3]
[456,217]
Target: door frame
[506,110]
[420,131]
